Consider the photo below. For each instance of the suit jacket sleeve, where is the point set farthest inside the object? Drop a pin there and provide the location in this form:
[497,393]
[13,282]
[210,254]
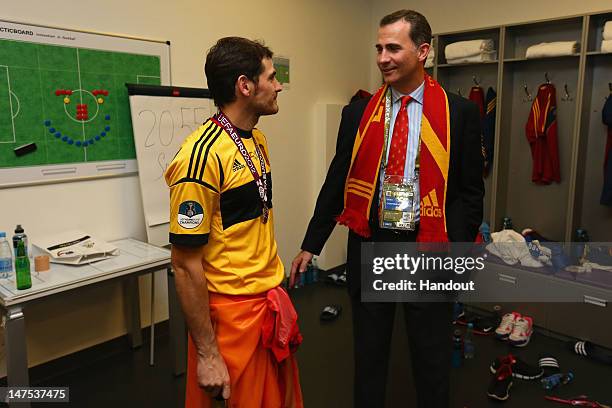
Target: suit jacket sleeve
[471,189]
[330,201]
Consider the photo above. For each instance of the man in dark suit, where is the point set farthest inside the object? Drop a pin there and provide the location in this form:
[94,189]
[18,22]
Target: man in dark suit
[403,44]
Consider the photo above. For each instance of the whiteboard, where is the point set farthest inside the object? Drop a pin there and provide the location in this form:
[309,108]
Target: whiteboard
[31,114]
[162,117]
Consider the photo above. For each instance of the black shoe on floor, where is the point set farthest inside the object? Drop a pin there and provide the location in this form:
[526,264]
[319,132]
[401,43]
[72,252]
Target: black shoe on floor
[482,325]
[549,365]
[499,388]
[520,369]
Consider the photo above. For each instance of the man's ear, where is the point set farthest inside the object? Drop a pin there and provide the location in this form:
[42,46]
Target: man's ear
[244,86]
[423,51]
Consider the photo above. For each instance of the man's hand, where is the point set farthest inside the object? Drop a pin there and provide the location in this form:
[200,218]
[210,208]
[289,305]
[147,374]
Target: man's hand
[299,265]
[213,376]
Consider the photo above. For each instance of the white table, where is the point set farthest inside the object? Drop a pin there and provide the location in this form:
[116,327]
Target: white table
[135,258]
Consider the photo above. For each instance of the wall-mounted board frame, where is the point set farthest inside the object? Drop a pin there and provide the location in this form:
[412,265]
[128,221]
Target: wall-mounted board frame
[64,109]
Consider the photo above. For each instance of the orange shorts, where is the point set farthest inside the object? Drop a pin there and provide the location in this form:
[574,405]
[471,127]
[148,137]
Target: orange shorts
[257,380]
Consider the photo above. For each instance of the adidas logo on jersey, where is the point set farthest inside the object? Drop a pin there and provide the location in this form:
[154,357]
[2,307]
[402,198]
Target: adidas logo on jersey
[237,166]
[430,206]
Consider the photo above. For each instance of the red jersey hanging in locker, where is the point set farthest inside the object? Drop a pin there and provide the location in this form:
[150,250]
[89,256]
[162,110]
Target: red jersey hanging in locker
[541,131]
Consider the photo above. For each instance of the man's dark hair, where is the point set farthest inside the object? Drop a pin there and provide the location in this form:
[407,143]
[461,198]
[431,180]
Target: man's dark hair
[420,31]
[229,58]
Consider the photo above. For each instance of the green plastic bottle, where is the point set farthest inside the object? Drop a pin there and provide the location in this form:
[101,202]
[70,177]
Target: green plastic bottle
[22,267]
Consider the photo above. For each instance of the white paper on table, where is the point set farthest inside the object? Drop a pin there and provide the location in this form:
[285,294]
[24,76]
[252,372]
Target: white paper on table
[75,248]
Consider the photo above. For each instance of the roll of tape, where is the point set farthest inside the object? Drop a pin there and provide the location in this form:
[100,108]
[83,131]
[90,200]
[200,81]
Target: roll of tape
[41,263]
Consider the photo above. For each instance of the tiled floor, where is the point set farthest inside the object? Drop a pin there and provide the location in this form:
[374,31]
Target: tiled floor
[111,375]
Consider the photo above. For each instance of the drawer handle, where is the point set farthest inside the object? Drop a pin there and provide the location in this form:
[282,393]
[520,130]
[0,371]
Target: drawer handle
[507,278]
[595,301]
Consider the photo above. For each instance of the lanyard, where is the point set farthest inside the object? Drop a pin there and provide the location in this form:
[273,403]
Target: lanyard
[260,181]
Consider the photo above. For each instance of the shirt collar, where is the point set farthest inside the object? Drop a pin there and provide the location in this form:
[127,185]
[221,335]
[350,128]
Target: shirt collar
[417,94]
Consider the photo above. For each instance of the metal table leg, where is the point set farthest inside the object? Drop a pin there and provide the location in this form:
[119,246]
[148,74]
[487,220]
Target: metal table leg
[131,300]
[152,347]
[16,350]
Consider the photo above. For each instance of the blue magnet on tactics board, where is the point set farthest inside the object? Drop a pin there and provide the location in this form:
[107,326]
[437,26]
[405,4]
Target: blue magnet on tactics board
[107,117]
[51,130]
[78,143]
[107,128]
[91,141]
[65,139]
[102,134]
[58,134]
[47,123]
[97,137]
[85,144]
[70,141]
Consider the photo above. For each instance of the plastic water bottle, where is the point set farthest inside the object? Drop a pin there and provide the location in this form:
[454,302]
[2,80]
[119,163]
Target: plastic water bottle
[308,274]
[315,269]
[468,342]
[20,236]
[457,311]
[580,251]
[507,223]
[22,267]
[457,357]
[6,257]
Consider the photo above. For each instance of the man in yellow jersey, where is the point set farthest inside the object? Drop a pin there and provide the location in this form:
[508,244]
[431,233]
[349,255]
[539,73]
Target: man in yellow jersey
[242,325]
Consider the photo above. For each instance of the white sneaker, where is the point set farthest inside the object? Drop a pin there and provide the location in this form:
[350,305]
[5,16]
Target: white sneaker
[523,328]
[507,325]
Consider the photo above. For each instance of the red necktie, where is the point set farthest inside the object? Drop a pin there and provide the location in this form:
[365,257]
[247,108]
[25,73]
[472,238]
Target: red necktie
[399,141]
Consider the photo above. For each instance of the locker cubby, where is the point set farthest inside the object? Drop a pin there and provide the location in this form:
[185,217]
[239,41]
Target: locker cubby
[444,40]
[460,79]
[589,213]
[595,31]
[520,37]
[542,207]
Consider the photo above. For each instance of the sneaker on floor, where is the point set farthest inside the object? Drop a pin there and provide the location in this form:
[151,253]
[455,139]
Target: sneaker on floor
[582,348]
[520,369]
[499,388]
[506,326]
[484,326]
[549,365]
[521,333]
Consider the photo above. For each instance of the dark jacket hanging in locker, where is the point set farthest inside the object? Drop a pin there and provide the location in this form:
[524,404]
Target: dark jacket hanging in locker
[606,192]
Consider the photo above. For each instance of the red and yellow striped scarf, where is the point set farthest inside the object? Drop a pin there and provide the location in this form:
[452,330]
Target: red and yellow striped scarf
[434,160]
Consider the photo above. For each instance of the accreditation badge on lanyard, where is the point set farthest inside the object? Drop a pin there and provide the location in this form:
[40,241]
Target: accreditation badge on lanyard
[260,181]
[398,205]
[399,193]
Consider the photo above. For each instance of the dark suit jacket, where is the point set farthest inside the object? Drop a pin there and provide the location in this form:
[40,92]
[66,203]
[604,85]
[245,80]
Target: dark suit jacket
[465,188]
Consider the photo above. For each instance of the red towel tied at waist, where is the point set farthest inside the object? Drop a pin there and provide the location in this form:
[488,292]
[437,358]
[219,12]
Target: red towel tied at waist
[280,332]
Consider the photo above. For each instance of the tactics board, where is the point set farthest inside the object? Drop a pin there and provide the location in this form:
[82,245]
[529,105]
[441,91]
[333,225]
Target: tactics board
[70,101]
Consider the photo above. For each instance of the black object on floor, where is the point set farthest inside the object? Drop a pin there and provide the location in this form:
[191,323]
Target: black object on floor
[330,312]
[520,369]
[501,382]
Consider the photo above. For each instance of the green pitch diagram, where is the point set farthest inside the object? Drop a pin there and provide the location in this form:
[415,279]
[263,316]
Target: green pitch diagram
[67,105]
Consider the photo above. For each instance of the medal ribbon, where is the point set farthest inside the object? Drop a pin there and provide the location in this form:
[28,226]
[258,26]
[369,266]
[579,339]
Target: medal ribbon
[260,181]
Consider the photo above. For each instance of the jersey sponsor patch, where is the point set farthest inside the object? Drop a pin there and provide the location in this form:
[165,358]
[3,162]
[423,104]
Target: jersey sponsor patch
[237,166]
[190,214]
